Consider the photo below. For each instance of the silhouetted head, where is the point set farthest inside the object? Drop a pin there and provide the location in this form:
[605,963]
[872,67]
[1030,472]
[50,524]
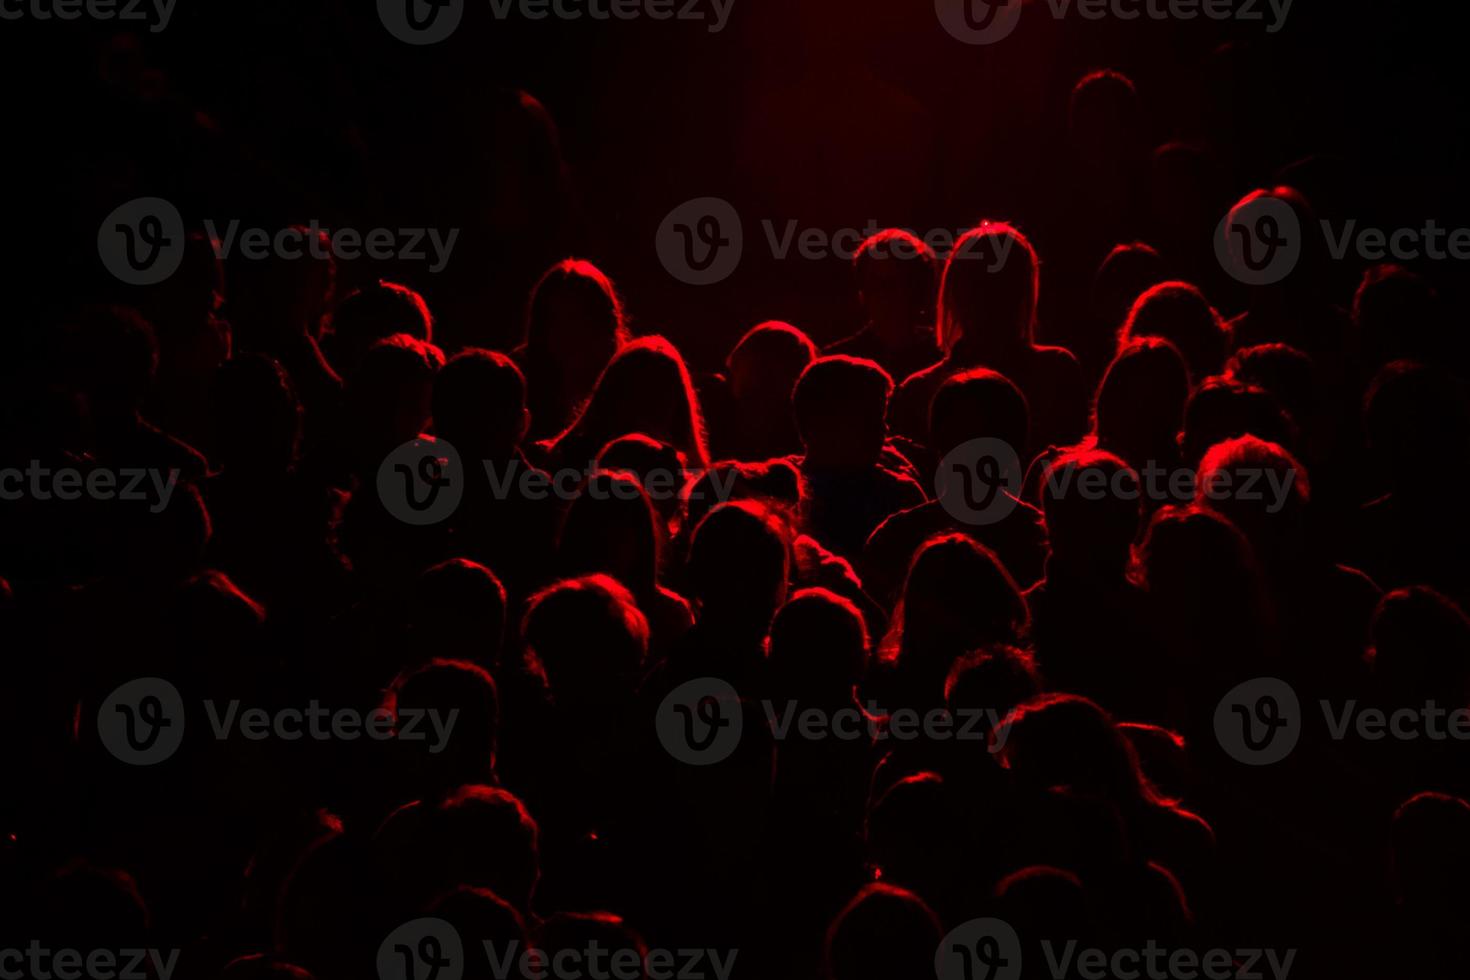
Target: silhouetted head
[1066,740]
[739,565]
[1419,649]
[1140,401]
[459,696]
[1126,273]
[989,291]
[993,681]
[1416,413]
[389,398]
[1261,489]
[1397,314]
[645,388]
[479,404]
[1180,314]
[1431,854]
[776,484]
[574,326]
[658,466]
[610,527]
[1043,902]
[485,837]
[1221,409]
[762,369]
[87,906]
[480,918]
[589,637]
[257,416]
[979,404]
[1289,375]
[897,275]
[883,933]
[460,605]
[1103,119]
[1243,227]
[841,409]
[373,313]
[957,597]
[578,936]
[819,647]
[1093,506]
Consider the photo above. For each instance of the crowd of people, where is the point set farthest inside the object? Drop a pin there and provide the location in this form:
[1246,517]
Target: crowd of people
[808,528]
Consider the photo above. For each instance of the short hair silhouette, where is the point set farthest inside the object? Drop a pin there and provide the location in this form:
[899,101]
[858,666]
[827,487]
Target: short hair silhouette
[841,407]
[1179,313]
[882,933]
[975,404]
[479,403]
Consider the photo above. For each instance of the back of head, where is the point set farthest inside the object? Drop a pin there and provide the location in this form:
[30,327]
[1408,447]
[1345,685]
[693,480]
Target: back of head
[485,837]
[739,564]
[1092,501]
[645,388]
[957,597]
[841,409]
[1431,854]
[993,680]
[373,313]
[659,467]
[579,936]
[463,698]
[1222,409]
[589,637]
[1067,740]
[775,483]
[1103,117]
[770,355]
[482,918]
[819,647]
[1419,648]
[1397,314]
[1126,273]
[112,354]
[1140,401]
[979,404]
[1416,413]
[461,605]
[1179,313]
[989,291]
[1259,487]
[390,395]
[610,527]
[1289,375]
[896,276]
[883,933]
[575,308]
[257,416]
[479,403]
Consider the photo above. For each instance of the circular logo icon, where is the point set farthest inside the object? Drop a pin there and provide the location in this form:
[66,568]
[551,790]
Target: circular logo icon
[424,949]
[700,722]
[142,241]
[1260,243]
[700,241]
[421,482]
[420,21]
[142,722]
[979,21]
[1259,722]
[979,482]
[981,949]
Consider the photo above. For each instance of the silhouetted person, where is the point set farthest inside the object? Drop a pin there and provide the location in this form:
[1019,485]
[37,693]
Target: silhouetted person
[987,318]
[898,280]
[841,406]
[1180,314]
[754,420]
[371,314]
[883,932]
